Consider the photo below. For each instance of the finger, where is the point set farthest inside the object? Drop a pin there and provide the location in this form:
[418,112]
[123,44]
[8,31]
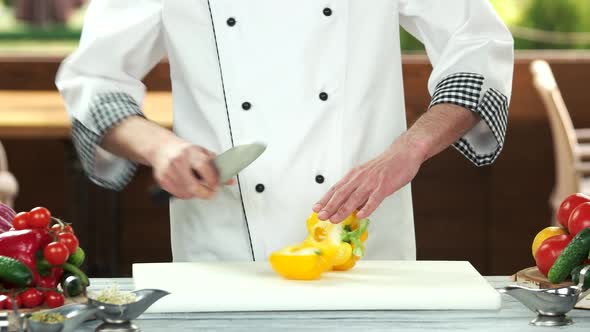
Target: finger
[186,184]
[354,201]
[208,153]
[230,182]
[174,188]
[372,204]
[203,164]
[181,174]
[325,199]
[203,192]
[339,197]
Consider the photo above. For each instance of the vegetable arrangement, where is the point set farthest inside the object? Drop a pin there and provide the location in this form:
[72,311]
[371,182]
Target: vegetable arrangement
[37,253]
[329,246]
[562,251]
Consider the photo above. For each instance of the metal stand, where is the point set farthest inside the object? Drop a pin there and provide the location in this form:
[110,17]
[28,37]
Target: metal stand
[560,320]
[117,327]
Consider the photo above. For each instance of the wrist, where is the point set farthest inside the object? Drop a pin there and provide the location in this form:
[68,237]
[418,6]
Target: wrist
[158,144]
[417,148]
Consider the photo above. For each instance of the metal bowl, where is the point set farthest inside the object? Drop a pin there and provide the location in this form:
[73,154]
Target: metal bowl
[75,314]
[121,313]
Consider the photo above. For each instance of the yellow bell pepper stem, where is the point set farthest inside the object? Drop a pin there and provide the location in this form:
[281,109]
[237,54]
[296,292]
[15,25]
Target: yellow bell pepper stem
[355,237]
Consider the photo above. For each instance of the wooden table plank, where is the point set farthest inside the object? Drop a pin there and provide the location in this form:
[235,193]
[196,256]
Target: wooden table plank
[41,114]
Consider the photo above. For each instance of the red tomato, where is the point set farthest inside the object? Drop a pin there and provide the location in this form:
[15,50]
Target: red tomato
[3,301]
[68,229]
[21,221]
[31,298]
[46,283]
[579,219]
[568,205]
[56,253]
[69,240]
[8,304]
[40,217]
[549,250]
[57,228]
[54,299]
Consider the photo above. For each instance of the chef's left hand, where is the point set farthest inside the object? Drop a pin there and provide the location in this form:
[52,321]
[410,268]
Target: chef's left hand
[366,186]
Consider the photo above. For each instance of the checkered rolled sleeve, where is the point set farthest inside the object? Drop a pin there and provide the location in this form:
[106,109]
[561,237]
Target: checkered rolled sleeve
[106,110]
[464,89]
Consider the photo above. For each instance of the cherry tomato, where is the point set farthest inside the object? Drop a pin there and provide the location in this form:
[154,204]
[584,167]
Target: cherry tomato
[549,250]
[40,217]
[57,228]
[568,205]
[54,299]
[579,219]
[68,229]
[69,240]
[9,304]
[31,298]
[56,253]
[21,221]
[46,283]
[3,301]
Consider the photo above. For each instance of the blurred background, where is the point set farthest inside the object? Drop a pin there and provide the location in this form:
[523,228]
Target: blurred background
[488,216]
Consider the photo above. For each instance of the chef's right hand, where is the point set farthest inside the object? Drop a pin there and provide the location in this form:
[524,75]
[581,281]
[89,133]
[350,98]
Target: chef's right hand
[174,165]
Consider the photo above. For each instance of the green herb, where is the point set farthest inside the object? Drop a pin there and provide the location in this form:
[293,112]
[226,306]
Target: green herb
[48,317]
[112,295]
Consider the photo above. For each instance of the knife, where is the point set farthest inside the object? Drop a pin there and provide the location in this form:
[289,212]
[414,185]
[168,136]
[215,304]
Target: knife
[228,164]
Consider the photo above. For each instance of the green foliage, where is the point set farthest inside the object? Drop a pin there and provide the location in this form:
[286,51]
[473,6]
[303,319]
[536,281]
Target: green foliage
[545,15]
[552,15]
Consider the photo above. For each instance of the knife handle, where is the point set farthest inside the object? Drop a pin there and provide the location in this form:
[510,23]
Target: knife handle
[161,196]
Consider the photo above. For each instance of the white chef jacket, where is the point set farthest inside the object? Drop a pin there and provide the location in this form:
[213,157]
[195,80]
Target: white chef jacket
[319,81]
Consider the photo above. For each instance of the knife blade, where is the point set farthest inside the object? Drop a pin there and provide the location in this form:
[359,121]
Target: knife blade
[228,164]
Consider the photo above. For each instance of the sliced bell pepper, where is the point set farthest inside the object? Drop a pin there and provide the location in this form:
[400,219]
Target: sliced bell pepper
[328,247]
[342,243]
[354,228]
[299,262]
[328,238]
[349,264]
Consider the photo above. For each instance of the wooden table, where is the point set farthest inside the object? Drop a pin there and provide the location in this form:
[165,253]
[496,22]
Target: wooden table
[42,115]
[513,316]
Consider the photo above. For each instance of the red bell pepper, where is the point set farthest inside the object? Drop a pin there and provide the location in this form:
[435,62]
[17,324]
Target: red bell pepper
[23,245]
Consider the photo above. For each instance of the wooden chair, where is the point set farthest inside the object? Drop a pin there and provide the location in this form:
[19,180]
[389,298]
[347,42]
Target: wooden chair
[8,183]
[572,173]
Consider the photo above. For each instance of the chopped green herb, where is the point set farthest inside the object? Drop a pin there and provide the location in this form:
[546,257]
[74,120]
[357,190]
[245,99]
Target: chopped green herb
[112,295]
[47,317]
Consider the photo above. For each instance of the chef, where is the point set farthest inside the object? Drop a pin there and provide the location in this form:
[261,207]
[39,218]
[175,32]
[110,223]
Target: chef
[319,81]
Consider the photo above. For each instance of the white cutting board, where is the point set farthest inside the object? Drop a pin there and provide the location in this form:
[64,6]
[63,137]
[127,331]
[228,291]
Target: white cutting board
[371,285]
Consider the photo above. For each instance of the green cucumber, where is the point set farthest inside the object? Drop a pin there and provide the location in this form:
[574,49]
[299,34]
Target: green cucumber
[576,276]
[72,286]
[77,258]
[70,268]
[15,272]
[573,255]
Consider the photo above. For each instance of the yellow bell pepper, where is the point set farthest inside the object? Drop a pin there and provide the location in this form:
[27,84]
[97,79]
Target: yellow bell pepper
[328,238]
[299,262]
[337,240]
[351,262]
[328,247]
